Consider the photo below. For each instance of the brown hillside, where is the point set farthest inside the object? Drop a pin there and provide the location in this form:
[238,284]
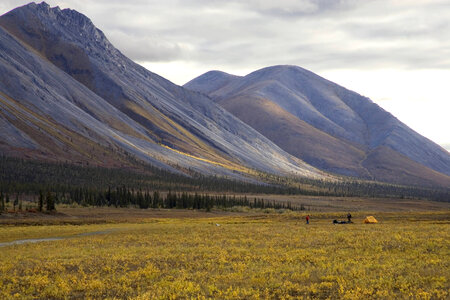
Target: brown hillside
[385,163]
[296,136]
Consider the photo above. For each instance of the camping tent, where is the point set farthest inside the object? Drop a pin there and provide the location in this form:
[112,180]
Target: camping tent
[370,220]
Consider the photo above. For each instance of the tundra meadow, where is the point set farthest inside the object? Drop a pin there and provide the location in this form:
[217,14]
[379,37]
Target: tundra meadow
[253,256]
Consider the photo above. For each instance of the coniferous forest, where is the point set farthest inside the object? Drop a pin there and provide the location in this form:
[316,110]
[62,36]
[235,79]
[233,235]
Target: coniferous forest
[151,187]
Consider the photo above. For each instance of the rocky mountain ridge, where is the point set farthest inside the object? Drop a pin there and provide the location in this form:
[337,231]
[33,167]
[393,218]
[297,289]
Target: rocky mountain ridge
[326,125]
[68,94]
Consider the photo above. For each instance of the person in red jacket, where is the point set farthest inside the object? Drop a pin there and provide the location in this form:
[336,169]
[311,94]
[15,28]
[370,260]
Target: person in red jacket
[307,219]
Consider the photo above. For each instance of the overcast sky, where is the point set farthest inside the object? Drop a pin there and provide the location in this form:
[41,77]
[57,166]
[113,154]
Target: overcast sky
[396,52]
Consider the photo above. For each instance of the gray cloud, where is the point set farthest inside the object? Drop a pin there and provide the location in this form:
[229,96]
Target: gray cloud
[316,34]
[145,47]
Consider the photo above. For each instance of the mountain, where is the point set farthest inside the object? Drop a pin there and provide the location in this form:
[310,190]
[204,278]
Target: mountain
[67,94]
[327,126]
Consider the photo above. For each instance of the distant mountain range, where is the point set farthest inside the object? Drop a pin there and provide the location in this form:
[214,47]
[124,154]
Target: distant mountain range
[67,94]
[327,126]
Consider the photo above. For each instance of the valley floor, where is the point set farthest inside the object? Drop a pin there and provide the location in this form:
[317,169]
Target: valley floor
[227,255]
[67,214]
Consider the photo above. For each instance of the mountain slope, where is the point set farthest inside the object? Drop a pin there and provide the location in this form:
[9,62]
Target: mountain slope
[67,94]
[327,125]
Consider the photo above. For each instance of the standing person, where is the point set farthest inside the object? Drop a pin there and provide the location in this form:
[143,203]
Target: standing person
[307,219]
[349,217]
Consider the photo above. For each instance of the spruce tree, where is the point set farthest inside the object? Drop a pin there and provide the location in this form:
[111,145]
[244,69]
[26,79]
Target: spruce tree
[156,199]
[41,201]
[2,202]
[50,201]
[16,201]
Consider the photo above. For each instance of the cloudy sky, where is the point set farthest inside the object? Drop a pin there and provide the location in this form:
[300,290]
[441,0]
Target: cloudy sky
[396,52]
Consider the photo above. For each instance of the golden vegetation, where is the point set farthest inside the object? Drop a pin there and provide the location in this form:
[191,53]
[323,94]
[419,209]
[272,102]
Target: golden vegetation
[251,257]
[226,166]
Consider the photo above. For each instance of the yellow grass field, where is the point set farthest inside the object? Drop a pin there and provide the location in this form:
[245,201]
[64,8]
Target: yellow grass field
[251,256]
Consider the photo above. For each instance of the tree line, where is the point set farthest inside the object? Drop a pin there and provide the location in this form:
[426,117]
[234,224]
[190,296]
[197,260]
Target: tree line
[20,176]
[126,197]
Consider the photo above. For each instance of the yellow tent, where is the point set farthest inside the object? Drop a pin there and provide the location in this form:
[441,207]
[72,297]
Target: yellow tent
[370,220]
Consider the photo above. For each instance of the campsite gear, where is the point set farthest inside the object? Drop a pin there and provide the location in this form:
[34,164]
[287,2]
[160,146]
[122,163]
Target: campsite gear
[370,220]
[340,222]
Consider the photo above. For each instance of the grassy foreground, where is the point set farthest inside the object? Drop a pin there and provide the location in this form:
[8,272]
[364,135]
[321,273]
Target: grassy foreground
[252,256]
